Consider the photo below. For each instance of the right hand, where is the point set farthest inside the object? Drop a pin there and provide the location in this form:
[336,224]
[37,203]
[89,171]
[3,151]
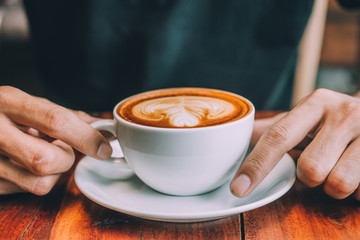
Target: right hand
[37,138]
[325,127]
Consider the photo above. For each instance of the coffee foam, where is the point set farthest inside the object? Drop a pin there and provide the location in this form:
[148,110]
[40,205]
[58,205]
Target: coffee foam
[184,108]
[183,111]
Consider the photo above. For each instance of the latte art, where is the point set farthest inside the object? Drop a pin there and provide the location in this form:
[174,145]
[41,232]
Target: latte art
[183,108]
[183,111]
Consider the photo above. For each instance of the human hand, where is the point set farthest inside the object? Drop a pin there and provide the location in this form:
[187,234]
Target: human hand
[326,124]
[37,138]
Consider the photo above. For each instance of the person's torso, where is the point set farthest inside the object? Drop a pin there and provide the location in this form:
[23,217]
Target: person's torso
[118,48]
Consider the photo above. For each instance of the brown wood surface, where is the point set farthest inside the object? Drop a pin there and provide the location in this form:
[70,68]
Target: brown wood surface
[65,213]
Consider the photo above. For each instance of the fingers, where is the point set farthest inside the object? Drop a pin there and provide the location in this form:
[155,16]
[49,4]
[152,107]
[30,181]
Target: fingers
[273,144]
[55,121]
[325,150]
[85,117]
[9,188]
[261,125]
[31,163]
[36,154]
[326,124]
[23,179]
[37,138]
[333,157]
[344,178]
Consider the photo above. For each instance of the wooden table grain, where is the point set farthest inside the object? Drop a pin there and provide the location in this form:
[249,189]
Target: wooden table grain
[65,213]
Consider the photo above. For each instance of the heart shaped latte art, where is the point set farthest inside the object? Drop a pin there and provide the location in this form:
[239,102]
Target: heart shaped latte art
[183,111]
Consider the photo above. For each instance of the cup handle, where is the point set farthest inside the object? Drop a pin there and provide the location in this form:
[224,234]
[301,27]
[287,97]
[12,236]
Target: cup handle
[106,125]
[114,167]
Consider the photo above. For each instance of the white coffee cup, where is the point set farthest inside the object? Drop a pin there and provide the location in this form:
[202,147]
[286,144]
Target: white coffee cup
[182,161]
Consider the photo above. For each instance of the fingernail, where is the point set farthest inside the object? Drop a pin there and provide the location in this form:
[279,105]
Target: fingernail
[104,151]
[240,185]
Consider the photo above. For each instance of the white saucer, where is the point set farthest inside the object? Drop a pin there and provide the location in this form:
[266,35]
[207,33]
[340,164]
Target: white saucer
[133,197]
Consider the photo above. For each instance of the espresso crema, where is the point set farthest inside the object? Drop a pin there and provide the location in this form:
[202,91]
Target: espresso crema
[184,108]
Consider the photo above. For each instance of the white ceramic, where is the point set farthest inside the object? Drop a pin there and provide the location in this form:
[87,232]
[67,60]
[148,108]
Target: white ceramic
[182,161]
[133,197]
[115,167]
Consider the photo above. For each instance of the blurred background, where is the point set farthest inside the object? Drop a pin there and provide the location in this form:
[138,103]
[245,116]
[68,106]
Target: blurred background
[17,64]
[340,55]
[339,67]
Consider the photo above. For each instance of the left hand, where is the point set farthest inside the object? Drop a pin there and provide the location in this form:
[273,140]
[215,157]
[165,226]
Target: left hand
[331,121]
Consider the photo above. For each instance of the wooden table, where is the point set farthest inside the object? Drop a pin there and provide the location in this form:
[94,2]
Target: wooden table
[65,213]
